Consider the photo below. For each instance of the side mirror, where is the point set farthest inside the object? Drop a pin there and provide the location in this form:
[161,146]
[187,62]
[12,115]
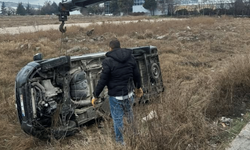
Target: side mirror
[38,56]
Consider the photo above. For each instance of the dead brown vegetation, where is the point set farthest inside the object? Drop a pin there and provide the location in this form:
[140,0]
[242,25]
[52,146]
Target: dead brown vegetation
[35,20]
[205,67]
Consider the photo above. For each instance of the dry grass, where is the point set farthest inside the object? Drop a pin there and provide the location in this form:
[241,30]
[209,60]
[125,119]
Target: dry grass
[36,20]
[205,68]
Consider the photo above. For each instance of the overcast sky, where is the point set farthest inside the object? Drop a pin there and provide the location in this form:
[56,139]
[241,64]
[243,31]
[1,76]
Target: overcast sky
[40,2]
[36,2]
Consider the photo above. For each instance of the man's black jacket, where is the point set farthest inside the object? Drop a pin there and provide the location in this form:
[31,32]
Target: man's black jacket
[119,71]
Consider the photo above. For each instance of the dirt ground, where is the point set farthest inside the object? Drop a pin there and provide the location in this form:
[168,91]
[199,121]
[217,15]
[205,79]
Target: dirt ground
[205,65]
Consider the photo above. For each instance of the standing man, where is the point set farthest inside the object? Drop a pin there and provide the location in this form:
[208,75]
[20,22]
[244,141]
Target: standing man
[119,74]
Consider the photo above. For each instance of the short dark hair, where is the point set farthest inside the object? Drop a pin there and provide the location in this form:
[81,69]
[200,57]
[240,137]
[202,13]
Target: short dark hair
[114,44]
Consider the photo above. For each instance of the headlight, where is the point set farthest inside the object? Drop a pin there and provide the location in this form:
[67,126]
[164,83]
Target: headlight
[22,106]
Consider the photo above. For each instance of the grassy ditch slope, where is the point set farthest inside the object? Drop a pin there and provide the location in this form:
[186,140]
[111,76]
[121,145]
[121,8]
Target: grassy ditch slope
[205,65]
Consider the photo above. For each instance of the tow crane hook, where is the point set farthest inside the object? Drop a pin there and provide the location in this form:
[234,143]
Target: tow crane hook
[62,28]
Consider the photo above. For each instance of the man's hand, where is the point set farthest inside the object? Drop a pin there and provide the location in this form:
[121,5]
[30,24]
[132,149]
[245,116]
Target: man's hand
[138,92]
[93,101]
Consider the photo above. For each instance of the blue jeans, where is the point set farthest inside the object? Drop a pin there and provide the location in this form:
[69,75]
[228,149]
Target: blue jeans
[118,109]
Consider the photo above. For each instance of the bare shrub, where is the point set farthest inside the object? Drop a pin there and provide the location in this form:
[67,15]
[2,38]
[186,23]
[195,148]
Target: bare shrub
[231,87]
[180,124]
[149,34]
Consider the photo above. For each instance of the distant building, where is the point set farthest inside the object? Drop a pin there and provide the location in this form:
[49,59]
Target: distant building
[185,2]
[138,7]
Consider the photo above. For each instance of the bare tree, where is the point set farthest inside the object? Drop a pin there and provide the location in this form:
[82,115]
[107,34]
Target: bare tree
[247,6]
[28,9]
[125,6]
[11,11]
[150,5]
[171,6]
[203,6]
[221,8]
[232,7]
[222,4]
[162,5]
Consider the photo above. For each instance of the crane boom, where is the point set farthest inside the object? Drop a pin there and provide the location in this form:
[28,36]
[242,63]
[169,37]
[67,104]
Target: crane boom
[67,6]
